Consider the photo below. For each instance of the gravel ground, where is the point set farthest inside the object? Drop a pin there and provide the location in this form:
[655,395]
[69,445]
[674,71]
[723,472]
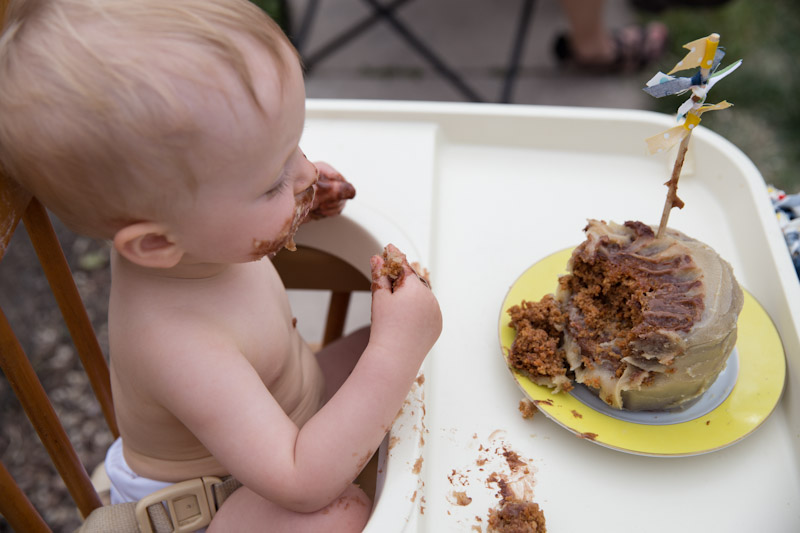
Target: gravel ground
[36,320]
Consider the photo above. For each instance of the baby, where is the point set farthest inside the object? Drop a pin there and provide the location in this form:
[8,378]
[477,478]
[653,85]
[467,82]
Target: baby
[171,128]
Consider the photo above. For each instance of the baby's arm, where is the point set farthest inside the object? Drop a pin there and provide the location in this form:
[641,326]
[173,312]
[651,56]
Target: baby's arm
[406,321]
[306,469]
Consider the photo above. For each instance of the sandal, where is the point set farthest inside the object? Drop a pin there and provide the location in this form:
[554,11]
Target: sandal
[657,6]
[634,48]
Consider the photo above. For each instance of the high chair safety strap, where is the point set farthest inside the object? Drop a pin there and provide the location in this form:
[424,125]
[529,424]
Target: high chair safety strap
[179,508]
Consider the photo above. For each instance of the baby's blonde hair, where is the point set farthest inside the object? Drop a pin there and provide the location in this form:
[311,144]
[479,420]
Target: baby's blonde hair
[91,117]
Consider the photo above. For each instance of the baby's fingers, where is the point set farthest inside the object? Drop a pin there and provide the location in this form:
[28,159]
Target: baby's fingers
[396,268]
[379,279]
[423,277]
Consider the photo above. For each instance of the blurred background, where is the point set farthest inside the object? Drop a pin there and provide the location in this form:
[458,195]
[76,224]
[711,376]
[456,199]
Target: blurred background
[350,52]
[436,50]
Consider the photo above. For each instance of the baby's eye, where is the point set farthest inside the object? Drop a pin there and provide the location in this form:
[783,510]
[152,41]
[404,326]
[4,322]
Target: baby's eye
[278,188]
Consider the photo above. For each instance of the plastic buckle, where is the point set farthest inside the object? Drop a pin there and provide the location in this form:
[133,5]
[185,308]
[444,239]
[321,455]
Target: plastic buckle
[191,505]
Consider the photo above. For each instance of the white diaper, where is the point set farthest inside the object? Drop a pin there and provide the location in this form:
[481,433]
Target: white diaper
[126,485]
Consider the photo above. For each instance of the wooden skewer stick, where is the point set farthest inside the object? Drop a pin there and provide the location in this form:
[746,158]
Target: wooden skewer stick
[672,193]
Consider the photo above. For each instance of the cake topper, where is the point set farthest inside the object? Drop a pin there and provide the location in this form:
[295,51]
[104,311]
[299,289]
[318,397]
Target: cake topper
[704,55]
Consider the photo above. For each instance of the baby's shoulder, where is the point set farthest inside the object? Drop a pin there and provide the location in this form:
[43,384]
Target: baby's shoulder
[242,316]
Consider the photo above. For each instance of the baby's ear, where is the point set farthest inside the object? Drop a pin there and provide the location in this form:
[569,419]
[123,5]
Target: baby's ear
[147,244]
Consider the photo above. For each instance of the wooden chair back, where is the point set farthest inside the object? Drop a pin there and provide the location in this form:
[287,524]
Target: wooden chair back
[17,205]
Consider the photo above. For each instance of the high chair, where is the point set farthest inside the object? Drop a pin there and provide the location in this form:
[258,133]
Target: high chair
[307,268]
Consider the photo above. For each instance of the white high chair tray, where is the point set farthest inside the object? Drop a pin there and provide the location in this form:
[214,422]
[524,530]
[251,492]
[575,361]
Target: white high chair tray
[479,193]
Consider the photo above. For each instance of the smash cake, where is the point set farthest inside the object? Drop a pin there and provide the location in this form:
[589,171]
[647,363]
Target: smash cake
[647,323]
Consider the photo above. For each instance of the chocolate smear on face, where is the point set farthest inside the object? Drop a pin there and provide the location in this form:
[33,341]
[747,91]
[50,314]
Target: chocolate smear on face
[285,238]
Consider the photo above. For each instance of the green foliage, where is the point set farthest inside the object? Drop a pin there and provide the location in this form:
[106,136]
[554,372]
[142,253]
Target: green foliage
[278,10]
[765,120]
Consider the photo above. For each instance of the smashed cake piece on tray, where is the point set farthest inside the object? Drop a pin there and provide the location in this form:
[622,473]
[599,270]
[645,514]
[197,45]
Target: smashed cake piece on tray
[515,516]
[646,323]
[537,351]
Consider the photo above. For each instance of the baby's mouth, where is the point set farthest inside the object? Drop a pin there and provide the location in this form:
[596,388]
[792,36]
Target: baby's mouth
[285,238]
[302,207]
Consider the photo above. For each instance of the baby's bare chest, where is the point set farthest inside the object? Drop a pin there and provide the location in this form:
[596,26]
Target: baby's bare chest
[257,317]
[268,338]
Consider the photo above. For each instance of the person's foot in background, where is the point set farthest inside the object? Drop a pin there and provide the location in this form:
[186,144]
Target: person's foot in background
[625,50]
[590,46]
[656,6]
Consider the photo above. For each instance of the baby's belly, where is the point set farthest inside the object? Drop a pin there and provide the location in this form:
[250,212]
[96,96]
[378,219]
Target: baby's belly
[175,469]
[168,451]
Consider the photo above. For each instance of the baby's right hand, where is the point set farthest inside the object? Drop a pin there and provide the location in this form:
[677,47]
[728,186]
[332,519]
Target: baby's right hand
[406,318]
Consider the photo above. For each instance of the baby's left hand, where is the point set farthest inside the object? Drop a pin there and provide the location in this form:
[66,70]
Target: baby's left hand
[332,191]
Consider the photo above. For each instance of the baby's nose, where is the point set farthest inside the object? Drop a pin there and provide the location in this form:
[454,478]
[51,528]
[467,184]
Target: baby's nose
[310,175]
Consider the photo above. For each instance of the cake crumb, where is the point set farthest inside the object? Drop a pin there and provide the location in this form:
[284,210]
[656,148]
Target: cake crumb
[513,460]
[461,497]
[421,271]
[527,408]
[393,260]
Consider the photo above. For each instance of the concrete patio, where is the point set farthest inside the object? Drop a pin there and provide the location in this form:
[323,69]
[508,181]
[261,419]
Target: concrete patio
[473,39]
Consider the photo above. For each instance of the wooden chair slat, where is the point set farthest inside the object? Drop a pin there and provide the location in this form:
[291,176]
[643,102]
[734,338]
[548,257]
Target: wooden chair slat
[13,202]
[17,508]
[337,313]
[309,268]
[55,267]
[28,389]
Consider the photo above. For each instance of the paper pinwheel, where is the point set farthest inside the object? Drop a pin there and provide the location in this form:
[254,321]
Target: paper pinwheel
[704,55]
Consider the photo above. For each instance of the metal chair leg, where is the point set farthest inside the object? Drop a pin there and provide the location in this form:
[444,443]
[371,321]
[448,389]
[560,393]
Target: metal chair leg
[525,19]
[323,51]
[427,54]
[386,12]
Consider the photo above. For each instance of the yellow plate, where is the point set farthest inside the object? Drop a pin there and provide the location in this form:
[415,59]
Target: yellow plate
[758,386]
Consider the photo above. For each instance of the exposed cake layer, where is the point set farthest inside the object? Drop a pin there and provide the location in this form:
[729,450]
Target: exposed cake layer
[537,350]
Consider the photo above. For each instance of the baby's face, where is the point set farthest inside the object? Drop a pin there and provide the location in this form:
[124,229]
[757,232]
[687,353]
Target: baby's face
[255,184]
